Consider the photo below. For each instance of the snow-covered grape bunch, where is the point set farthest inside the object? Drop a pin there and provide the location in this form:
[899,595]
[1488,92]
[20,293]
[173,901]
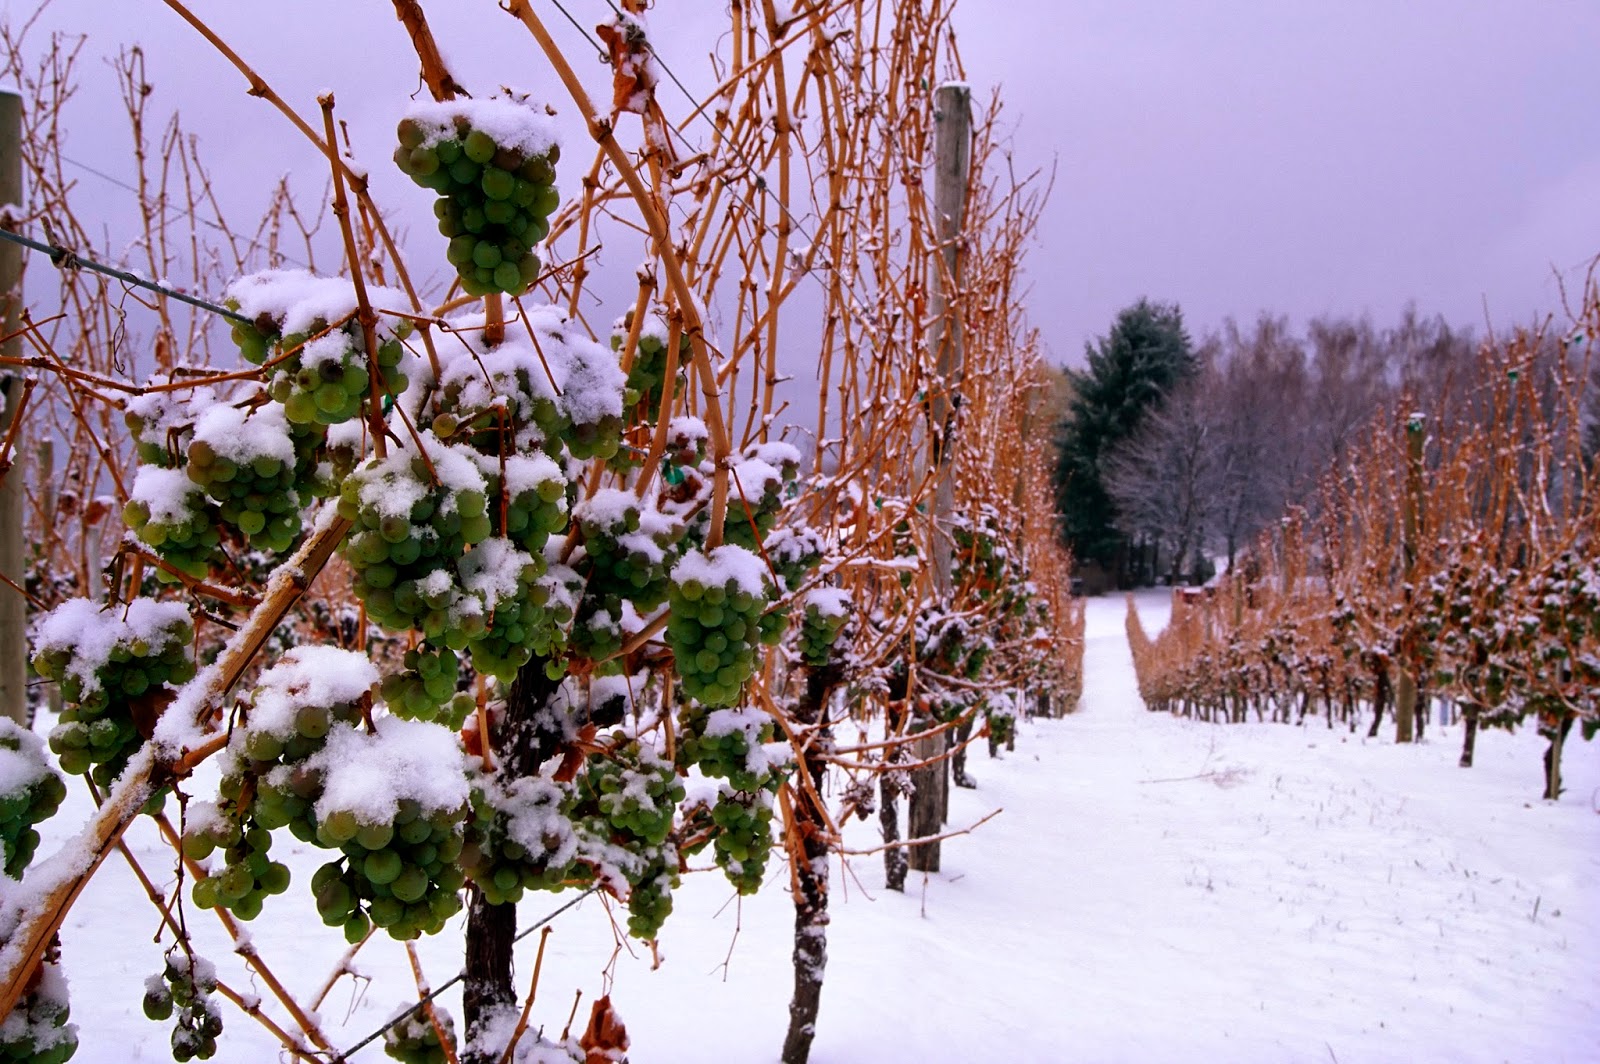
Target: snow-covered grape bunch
[650,894]
[252,466]
[528,503]
[400,873]
[268,781]
[628,548]
[743,841]
[756,496]
[493,164]
[37,1031]
[172,516]
[521,838]
[648,374]
[635,791]
[186,984]
[730,744]
[716,600]
[415,1040]
[113,664]
[426,688]
[827,610]
[793,552]
[413,519]
[546,387]
[29,793]
[629,796]
[302,759]
[305,326]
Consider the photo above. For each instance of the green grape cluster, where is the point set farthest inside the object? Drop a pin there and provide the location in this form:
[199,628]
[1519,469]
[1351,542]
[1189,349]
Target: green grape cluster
[1002,725]
[186,985]
[409,531]
[771,625]
[534,811]
[794,552]
[111,663]
[628,549]
[529,504]
[628,797]
[531,623]
[267,784]
[34,794]
[820,626]
[552,391]
[743,841]
[495,199]
[321,374]
[759,478]
[37,1030]
[598,635]
[715,623]
[401,875]
[251,470]
[650,895]
[172,516]
[426,689]
[414,1039]
[600,438]
[648,374]
[720,744]
[635,791]
[507,615]
[154,421]
[686,449]
[247,878]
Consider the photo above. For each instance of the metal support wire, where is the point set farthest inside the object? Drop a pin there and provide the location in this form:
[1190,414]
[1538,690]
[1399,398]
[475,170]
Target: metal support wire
[458,977]
[65,259]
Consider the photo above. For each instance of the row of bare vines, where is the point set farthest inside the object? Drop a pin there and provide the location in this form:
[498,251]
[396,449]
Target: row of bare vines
[1450,564]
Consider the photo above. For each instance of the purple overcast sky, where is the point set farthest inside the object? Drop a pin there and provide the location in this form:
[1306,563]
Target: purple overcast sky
[1301,158]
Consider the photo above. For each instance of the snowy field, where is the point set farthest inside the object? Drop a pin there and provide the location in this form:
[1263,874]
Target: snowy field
[1155,890]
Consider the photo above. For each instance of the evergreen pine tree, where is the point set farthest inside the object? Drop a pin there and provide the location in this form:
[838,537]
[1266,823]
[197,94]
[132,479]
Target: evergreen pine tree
[1130,370]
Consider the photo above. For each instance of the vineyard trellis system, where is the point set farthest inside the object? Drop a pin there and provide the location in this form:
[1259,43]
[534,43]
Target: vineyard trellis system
[1452,557]
[549,572]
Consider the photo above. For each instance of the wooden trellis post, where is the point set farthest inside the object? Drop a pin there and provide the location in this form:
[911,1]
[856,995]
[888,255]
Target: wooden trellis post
[952,160]
[1405,702]
[13,607]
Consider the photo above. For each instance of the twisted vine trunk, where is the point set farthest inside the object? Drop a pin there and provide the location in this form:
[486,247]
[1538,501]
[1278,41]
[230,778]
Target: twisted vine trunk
[958,759]
[527,736]
[1469,737]
[895,863]
[810,839]
[894,857]
[925,815]
[1552,757]
[1380,697]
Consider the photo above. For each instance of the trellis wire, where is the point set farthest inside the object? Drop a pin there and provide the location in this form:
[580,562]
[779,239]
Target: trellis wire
[66,259]
[442,987]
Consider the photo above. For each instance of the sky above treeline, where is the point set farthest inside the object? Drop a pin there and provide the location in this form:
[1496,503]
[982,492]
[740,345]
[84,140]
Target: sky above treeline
[1233,157]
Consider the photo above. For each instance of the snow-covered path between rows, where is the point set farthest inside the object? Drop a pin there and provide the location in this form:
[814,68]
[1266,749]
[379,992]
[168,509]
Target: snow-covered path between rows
[1155,890]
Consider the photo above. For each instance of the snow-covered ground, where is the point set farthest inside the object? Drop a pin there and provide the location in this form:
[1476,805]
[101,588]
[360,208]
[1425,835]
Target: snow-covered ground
[1155,890]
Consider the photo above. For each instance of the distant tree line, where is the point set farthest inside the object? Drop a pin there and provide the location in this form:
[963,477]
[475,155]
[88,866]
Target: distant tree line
[1172,453]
